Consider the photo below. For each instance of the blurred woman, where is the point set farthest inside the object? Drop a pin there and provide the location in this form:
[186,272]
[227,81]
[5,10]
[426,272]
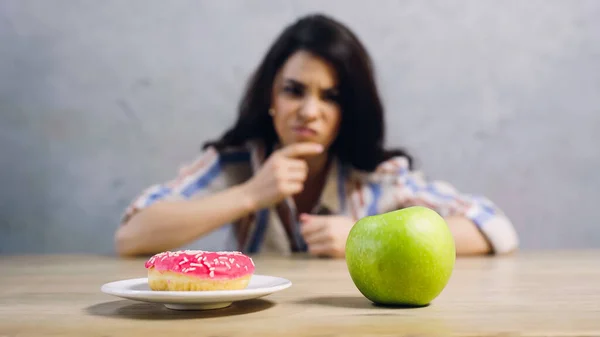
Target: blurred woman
[304,161]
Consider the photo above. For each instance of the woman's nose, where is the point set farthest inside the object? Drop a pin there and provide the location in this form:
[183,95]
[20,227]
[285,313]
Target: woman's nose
[309,109]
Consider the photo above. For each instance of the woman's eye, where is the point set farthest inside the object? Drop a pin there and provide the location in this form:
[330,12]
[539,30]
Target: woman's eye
[292,90]
[331,97]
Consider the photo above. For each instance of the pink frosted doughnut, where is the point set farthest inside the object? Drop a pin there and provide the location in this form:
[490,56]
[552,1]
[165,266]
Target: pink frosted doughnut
[197,270]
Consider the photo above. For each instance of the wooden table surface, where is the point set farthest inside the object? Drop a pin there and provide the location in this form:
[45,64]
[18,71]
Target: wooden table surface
[528,294]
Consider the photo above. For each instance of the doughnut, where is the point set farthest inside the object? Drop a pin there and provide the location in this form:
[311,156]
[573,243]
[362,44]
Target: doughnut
[197,270]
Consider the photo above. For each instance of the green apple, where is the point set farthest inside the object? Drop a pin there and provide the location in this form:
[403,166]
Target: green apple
[403,257]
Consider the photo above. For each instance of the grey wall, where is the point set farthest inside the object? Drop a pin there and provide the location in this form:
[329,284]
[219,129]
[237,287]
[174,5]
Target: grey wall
[99,99]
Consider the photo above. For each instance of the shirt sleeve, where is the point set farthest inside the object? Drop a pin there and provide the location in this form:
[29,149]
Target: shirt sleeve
[208,173]
[410,188]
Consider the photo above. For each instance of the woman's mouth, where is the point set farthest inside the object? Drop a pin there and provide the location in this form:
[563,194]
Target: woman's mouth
[304,131]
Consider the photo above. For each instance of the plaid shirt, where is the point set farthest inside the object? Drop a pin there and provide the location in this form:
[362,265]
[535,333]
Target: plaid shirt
[347,191]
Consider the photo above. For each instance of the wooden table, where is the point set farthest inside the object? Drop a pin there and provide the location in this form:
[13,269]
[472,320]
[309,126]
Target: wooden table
[528,294]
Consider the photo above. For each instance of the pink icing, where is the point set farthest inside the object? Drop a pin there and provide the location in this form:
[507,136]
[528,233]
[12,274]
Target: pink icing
[217,265]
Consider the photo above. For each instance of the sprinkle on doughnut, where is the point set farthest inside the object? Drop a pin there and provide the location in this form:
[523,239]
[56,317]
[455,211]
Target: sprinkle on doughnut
[203,264]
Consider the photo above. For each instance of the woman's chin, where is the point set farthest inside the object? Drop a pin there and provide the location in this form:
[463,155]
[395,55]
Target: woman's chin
[305,138]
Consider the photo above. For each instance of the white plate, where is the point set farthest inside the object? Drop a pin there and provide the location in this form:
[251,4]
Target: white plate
[138,289]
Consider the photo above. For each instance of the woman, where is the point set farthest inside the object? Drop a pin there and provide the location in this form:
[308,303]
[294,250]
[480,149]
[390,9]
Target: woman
[303,162]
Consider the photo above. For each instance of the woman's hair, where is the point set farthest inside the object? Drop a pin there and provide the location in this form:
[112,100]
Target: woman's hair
[362,129]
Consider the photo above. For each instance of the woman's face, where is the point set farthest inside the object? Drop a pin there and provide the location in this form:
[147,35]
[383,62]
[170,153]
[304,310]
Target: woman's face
[305,101]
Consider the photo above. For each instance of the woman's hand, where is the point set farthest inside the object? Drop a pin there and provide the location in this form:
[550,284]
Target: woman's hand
[282,175]
[326,234]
